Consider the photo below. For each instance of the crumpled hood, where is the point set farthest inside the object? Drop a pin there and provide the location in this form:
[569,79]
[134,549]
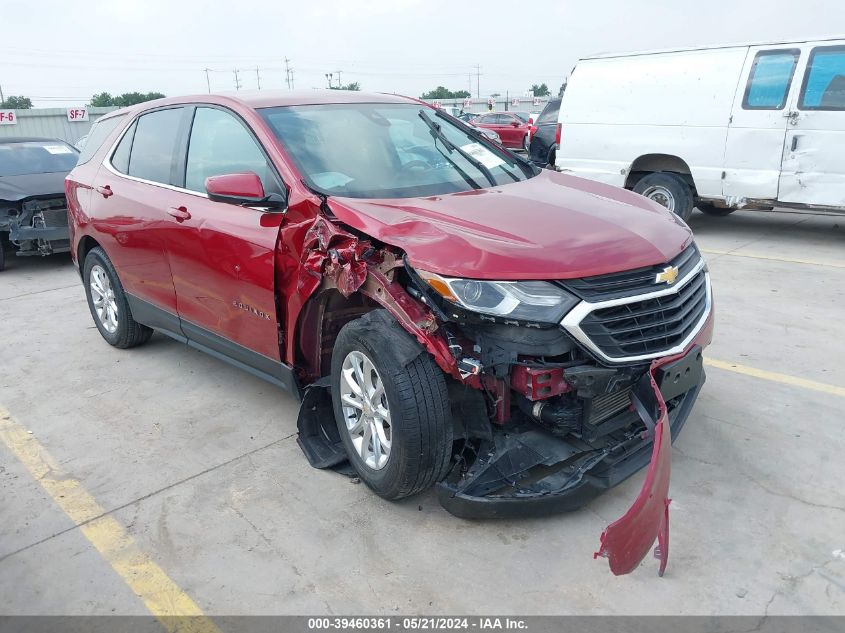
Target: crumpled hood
[552,226]
[16,188]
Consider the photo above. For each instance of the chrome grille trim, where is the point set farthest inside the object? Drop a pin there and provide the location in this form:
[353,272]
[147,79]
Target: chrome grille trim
[572,321]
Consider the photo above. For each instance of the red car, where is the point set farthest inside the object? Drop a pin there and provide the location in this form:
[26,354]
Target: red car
[448,314]
[512,127]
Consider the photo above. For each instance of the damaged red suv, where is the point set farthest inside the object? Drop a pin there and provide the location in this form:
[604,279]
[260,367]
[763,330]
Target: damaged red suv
[449,315]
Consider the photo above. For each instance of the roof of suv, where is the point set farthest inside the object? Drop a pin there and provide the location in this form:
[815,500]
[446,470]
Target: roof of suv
[272,98]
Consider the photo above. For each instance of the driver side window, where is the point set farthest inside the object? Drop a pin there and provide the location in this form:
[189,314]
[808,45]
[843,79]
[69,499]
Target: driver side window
[220,144]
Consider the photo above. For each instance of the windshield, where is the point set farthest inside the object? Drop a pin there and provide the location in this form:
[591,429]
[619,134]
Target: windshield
[378,150]
[36,157]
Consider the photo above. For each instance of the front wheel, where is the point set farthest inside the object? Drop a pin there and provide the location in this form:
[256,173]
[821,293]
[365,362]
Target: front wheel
[108,303]
[669,190]
[391,407]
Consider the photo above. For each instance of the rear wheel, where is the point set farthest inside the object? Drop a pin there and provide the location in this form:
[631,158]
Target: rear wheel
[392,413]
[669,190]
[108,303]
[710,209]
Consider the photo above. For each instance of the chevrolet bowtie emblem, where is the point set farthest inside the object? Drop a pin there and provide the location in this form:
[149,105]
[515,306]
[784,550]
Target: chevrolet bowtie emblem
[668,275]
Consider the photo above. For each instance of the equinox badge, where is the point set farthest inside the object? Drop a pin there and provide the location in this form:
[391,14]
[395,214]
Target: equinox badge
[668,274]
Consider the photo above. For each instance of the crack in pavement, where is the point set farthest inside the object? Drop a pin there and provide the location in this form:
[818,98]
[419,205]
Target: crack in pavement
[786,495]
[38,292]
[146,496]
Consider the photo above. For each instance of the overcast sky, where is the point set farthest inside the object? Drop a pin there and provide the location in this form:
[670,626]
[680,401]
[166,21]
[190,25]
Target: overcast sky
[60,53]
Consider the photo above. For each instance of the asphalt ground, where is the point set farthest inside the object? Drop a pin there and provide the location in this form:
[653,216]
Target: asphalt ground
[160,480]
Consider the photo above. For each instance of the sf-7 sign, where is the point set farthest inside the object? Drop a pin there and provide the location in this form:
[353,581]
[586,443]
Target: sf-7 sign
[77,114]
[8,117]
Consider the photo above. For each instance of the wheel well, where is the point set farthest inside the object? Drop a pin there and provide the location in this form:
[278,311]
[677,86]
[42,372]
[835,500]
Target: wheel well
[85,246]
[322,318]
[650,163]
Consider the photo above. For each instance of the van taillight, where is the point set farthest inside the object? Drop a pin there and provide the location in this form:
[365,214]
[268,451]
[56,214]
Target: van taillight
[557,134]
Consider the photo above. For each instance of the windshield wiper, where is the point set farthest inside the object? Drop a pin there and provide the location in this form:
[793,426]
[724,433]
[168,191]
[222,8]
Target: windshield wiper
[437,133]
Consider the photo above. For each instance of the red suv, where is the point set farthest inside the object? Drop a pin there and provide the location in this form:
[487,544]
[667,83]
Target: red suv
[512,127]
[449,314]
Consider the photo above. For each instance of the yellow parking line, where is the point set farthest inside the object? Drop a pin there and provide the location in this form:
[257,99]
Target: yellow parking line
[788,260]
[785,379]
[171,605]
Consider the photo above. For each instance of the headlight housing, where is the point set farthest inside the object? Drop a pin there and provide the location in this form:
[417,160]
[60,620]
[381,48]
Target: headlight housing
[538,301]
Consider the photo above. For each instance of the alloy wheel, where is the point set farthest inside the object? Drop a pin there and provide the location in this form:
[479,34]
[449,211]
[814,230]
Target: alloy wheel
[365,410]
[102,295]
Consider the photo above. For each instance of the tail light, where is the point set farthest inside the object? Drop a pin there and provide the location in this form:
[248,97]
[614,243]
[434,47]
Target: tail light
[557,134]
[532,131]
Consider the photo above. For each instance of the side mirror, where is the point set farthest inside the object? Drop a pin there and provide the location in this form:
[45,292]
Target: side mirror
[244,189]
[515,123]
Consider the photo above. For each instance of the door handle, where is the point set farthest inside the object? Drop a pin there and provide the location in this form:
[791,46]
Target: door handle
[105,191]
[180,213]
[794,142]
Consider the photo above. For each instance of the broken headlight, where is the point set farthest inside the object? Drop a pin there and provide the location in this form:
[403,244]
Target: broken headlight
[521,300]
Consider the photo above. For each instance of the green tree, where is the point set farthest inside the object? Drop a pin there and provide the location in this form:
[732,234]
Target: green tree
[540,91]
[104,99]
[16,103]
[101,100]
[353,86]
[562,88]
[441,92]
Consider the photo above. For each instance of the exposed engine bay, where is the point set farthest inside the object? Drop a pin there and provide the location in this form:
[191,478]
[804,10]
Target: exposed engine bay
[36,226]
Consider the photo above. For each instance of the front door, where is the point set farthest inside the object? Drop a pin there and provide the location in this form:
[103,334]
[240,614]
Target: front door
[223,255]
[813,170]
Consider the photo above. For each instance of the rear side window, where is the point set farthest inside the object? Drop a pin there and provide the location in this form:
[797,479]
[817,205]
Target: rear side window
[120,158]
[220,144]
[824,81]
[550,112]
[154,145]
[100,131]
[769,80]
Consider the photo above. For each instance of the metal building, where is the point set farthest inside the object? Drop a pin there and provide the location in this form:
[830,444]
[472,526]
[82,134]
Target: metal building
[52,123]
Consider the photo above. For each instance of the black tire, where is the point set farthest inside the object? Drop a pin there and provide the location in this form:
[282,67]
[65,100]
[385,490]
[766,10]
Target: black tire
[129,332]
[550,164]
[526,144]
[681,195]
[415,389]
[2,252]
[710,209]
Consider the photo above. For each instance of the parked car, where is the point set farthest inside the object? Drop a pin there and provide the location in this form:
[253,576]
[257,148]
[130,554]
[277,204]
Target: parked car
[545,135]
[720,128]
[33,212]
[491,134]
[449,314]
[468,117]
[510,126]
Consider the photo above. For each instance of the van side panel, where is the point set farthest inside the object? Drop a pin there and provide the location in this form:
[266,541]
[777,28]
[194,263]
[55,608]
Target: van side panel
[617,109]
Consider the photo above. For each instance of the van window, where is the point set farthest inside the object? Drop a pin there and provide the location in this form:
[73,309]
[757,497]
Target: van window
[824,81]
[97,136]
[550,112]
[220,144]
[769,80]
[154,144]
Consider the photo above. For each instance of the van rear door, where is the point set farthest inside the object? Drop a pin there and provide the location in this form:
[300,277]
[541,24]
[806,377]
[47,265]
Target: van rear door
[758,123]
[813,171]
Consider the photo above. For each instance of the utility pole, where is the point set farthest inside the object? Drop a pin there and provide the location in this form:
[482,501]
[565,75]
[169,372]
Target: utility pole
[237,79]
[478,81]
[287,72]
[257,78]
[2,98]
[291,78]
[207,81]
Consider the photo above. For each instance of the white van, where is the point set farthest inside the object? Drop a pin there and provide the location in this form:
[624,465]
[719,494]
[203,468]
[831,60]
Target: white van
[723,128]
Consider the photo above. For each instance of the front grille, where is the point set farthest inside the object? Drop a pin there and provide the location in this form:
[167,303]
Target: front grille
[631,282]
[648,326]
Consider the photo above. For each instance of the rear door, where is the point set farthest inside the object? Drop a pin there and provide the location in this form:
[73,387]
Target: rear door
[223,255]
[813,170]
[758,123]
[132,193]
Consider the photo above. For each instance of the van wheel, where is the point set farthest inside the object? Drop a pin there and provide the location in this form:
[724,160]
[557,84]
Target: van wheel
[392,413]
[669,190]
[551,162]
[710,209]
[108,303]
